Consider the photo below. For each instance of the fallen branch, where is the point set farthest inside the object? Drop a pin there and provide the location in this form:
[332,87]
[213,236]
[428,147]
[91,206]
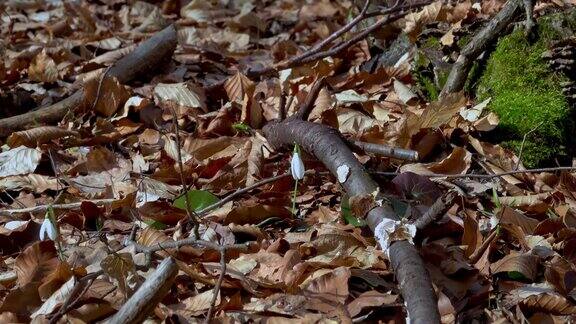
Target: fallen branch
[76,295]
[436,211]
[327,145]
[388,151]
[43,208]
[145,299]
[142,60]
[480,176]
[315,53]
[479,43]
[187,242]
[217,286]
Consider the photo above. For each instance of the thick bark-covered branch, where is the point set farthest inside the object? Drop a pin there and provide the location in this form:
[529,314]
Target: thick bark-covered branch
[459,72]
[142,60]
[326,145]
[145,299]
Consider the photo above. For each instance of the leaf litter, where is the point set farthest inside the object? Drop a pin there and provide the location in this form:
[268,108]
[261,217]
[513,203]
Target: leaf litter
[502,251]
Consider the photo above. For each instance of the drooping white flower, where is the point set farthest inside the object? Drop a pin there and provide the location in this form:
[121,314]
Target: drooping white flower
[48,230]
[297,167]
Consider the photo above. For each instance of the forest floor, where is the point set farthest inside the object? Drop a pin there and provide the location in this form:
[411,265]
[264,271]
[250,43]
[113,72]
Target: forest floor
[282,161]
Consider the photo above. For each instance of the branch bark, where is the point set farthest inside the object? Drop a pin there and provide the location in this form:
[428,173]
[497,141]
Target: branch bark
[152,291]
[326,145]
[142,60]
[459,72]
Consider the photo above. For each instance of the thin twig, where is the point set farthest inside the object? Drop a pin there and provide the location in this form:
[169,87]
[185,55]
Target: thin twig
[308,104]
[100,88]
[194,218]
[75,296]
[205,210]
[385,150]
[282,106]
[217,286]
[318,47]
[43,208]
[522,145]
[187,242]
[478,253]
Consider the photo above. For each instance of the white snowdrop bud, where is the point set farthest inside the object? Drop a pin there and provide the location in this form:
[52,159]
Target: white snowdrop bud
[297,167]
[48,230]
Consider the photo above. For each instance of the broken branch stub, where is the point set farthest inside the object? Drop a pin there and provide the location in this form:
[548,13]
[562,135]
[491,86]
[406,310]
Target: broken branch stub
[459,72]
[145,58]
[326,145]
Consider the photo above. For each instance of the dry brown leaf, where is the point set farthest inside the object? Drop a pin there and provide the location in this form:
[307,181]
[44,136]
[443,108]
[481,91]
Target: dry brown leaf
[238,87]
[370,298]
[36,263]
[108,95]
[43,68]
[39,135]
[183,94]
[33,182]
[525,264]
[325,290]
[119,266]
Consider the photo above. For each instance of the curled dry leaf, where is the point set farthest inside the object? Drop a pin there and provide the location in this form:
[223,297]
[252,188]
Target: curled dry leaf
[39,135]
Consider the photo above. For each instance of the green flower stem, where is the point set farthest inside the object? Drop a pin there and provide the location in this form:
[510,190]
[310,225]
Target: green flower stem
[294,197]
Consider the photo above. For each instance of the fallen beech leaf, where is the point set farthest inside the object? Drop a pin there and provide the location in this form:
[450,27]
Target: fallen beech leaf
[51,283]
[35,263]
[33,182]
[20,160]
[43,68]
[323,291]
[507,215]
[517,266]
[199,304]
[119,266]
[404,93]
[182,94]
[371,298]
[39,135]
[361,205]
[108,95]
[440,112]
[238,87]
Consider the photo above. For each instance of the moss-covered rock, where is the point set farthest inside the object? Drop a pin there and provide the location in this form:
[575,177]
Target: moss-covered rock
[527,95]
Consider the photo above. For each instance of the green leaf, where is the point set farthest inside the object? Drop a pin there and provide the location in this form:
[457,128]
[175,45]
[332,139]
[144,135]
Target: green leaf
[515,275]
[241,128]
[155,224]
[198,200]
[347,214]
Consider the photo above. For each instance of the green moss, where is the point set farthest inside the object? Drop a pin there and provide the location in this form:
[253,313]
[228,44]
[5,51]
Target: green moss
[424,70]
[527,96]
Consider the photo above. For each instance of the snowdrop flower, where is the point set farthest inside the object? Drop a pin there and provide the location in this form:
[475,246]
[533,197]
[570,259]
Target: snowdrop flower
[297,166]
[48,230]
